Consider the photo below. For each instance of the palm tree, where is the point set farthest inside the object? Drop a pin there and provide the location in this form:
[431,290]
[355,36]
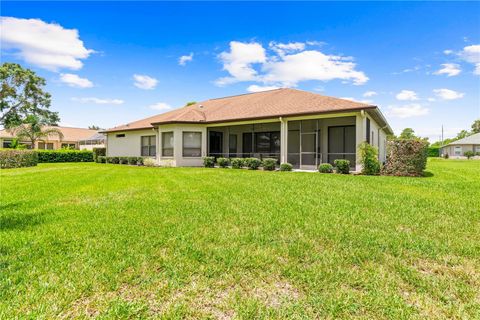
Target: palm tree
[34,130]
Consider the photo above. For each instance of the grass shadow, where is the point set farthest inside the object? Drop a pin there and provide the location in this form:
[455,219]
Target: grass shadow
[16,220]
[428,174]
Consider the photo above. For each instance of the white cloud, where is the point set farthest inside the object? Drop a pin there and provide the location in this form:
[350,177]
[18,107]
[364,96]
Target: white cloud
[238,62]
[98,100]
[74,80]
[347,98]
[431,99]
[311,65]
[405,95]
[447,52]
[45,45]
[162,106]
[369,94]
[282,48]
[408,111]
[184,59]
[144,82]
[450,69]
[287,66]
[471,54]
[447,94]
[257,88]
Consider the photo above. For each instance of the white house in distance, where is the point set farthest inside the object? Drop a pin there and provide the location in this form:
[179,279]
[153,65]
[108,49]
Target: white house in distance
[457,149]
[299,127]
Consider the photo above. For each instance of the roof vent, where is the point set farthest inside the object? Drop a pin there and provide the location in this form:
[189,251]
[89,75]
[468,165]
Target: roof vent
[200,106]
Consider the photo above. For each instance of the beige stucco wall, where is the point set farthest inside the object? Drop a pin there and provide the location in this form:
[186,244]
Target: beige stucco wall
[128,146]
[178,159]
[465,147]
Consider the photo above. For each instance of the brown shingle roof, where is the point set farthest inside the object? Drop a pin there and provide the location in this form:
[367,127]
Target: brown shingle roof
[69,134]
[260,105]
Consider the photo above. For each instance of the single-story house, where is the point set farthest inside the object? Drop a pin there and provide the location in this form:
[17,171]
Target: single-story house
[71,138]
[299,127]
[457,149]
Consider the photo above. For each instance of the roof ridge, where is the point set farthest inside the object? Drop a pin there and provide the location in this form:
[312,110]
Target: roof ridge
[245,94]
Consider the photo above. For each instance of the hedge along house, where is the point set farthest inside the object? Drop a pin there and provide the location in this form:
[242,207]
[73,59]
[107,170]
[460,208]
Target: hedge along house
[299,127]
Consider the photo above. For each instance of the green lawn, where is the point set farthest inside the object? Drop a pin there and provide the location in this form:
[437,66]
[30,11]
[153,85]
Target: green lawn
[112,241]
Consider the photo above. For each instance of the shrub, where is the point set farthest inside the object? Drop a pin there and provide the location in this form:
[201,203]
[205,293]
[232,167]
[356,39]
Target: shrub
[209,162]
[109,159]
[132,160]
[433,151]
[16,158]
[101,159]
[64,155]
[369,159]
[342,166]
[237,163]
[477,153]
[252,163]
[115,160]
[469,154]
[325,168]
[99,152]
[286,167]
[269,164]
[405,158]
[123,160]
[140,161]
[149,162]
[223,162]
[446,156]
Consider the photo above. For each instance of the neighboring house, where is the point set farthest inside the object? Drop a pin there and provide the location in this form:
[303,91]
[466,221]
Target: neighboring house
[457,149]
[299,127]
[71,138]
[95,141]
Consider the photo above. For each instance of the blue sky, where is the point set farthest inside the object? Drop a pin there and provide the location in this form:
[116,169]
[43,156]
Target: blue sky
[419,62]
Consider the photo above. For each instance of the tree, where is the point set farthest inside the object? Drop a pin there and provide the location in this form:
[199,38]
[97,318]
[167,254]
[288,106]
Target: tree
[94,127]
[34,129]
[22,95]
[462,134]
[190,103]
[408,133]
[476,126]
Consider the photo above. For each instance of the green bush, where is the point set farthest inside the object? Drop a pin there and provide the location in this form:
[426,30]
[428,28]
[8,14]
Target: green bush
[369,159]
[16,158]
[132,160]
[342,166]
[325,168]
[101,159]
[433,151]
[446,156]
[405,157]
[238,163]
[209,162]
[140,161]
[252,163]
[477,153]
[99,152]
[64,155]
[123,160]
[469,154]
[269,164]
[115,160]
[223,162]
[286,167]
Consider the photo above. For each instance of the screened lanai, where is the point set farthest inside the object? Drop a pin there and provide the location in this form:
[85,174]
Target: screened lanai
[309,142]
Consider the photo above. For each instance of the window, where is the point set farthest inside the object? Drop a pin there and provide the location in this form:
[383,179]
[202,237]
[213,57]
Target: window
[458,150]
[120,135]
[70,146]
[192,144]
[7,143]
[148,146]
[232,145]
[368,130]
[247,143]
[167,144]
[45,146]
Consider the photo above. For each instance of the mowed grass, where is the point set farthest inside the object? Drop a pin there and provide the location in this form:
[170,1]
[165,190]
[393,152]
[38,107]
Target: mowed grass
[115,241]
